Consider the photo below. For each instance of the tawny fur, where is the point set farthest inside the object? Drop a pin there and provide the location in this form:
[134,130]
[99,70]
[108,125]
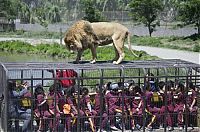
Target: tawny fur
[83,35]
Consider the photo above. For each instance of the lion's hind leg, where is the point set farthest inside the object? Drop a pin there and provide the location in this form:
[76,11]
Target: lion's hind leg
[116,54]
[94,54]
[119,47]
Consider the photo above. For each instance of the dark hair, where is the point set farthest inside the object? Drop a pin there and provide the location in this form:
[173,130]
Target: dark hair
[147,86]
[161,84]
[152,77]
[11,85]
[84,91]
[52,88]
[68,92]
[138,89]
[97,87]
[168,85]
[181,86]
[108,85]
[120,84]
[191,85]
[39,89]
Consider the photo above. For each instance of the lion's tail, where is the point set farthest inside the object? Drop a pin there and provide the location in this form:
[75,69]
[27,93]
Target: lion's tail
[129,43]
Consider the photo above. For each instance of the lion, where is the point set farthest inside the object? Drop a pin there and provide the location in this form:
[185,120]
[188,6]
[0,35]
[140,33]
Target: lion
[83,35]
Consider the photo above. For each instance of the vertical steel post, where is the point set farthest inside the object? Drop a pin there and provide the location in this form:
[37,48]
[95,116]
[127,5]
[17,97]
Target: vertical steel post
[144,100]
[165,101]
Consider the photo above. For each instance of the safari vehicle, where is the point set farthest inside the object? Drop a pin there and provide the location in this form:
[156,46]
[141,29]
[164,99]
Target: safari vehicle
[89,75]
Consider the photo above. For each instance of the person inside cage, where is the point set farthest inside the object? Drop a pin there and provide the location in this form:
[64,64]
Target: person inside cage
[151,109]
[69,110]
[53,101]
[150,80]
[111,100]
[192,100]
[25,99]
[167,108]
[99,107]
[179,99]
[135,106]
[15,110]
[41,108]
[86,108]
[62,75]
[123,104]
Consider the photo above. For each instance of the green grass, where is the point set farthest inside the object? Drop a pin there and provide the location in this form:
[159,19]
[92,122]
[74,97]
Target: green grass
[56,50]
[190,43]
[27,34]
[52,50]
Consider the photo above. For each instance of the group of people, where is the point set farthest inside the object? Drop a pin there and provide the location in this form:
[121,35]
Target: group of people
[118,104]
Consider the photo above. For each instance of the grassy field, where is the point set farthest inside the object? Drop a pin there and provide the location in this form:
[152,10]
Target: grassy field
[56,50]
[190,43]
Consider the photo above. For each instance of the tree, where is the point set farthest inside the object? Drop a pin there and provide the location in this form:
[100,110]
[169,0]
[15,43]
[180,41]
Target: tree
[189,12]
[8,9]
[54,14]
[24,12]
[169,12]
[146,12]
[91,14]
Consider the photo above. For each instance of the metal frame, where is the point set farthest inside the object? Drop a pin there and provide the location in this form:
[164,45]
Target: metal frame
[191,71]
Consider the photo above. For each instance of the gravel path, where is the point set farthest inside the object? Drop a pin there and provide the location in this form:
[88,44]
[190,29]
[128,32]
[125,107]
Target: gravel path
[171,53]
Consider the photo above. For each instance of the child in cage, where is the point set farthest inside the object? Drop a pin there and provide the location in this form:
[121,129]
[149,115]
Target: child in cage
[53,101]
[99,106]
[15,111]
[41,109]
[111,100]
[69,110]
[179,99]
[123,104]
[192,98]
[151,109]
[135,106]
[86,108]
[167,95]
[192,103]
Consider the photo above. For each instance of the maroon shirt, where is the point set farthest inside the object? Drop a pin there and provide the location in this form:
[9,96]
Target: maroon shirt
[136,99]
[191,96]
[179,98]
[124,100]
[69,101]
[97,102]
[83,102]
[54,97]
[148,96]
[169,98]
[111,100]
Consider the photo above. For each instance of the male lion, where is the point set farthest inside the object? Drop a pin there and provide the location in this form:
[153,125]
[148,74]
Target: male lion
[83,35]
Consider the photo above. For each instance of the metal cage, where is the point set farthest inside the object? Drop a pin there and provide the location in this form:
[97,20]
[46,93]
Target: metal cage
[88,76]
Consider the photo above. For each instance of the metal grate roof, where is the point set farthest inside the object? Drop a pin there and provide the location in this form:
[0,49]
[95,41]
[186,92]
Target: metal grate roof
[164,63]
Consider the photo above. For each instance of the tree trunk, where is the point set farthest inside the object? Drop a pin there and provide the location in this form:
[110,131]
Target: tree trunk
[149,28]
[104,5]
[198,27]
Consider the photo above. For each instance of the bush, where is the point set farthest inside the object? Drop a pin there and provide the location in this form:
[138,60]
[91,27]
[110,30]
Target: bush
[149,41]
[196,48]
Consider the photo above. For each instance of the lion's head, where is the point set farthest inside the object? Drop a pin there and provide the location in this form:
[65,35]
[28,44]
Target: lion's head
[72,43]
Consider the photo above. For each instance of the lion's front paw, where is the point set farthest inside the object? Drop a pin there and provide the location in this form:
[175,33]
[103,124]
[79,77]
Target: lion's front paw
[76,62]
[115,62]
[93,61]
